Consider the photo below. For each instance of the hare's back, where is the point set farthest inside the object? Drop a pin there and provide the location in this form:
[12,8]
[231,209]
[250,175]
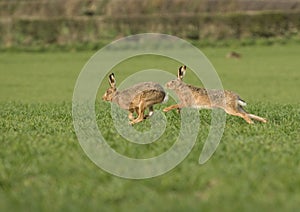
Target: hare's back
[145,86]
[149,91]
[212,97]
[142,88]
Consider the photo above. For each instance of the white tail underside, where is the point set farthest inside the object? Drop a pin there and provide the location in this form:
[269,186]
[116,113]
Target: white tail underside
[242,103]
[166,98]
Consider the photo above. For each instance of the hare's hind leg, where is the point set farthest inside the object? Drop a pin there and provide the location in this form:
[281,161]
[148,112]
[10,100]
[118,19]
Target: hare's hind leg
[140,113]
[177,106]
[245,117]
[251,116]
[258,118]
[240,113]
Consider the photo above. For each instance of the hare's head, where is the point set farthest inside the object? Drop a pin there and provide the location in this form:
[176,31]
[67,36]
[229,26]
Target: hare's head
[175,83]
[110,92]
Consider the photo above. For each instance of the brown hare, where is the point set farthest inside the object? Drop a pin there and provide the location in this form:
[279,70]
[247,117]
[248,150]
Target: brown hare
[233,54]
[136,98]
[191,96]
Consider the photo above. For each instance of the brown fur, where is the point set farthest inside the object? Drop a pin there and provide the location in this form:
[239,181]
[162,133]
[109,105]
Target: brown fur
[136,98]
[191,96]
[233,54]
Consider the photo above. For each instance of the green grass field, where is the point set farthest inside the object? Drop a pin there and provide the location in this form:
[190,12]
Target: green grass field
[255,168]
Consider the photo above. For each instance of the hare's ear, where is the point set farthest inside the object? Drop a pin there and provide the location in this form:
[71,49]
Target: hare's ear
[112,80]
[181,72]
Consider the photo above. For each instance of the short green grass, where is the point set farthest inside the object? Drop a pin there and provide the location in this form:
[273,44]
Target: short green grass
[255,167]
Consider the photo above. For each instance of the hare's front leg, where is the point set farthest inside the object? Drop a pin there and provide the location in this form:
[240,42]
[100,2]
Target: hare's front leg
[177,106]
[141,109]
[130,115]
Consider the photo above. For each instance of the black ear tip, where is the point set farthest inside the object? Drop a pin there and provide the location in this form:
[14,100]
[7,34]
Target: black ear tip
[182,67]
[112,76]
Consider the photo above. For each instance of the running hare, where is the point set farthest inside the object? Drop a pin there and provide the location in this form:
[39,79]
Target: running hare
[136,98]
[191,96]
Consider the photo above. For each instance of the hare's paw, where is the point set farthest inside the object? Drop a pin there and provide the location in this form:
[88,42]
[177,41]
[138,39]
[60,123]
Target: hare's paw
[166,109]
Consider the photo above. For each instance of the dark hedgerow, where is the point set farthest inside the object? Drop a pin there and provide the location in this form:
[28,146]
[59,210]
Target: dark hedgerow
[63,31]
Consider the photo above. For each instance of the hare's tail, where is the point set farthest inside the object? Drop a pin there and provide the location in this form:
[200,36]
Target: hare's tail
[242,102]
[166,98]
